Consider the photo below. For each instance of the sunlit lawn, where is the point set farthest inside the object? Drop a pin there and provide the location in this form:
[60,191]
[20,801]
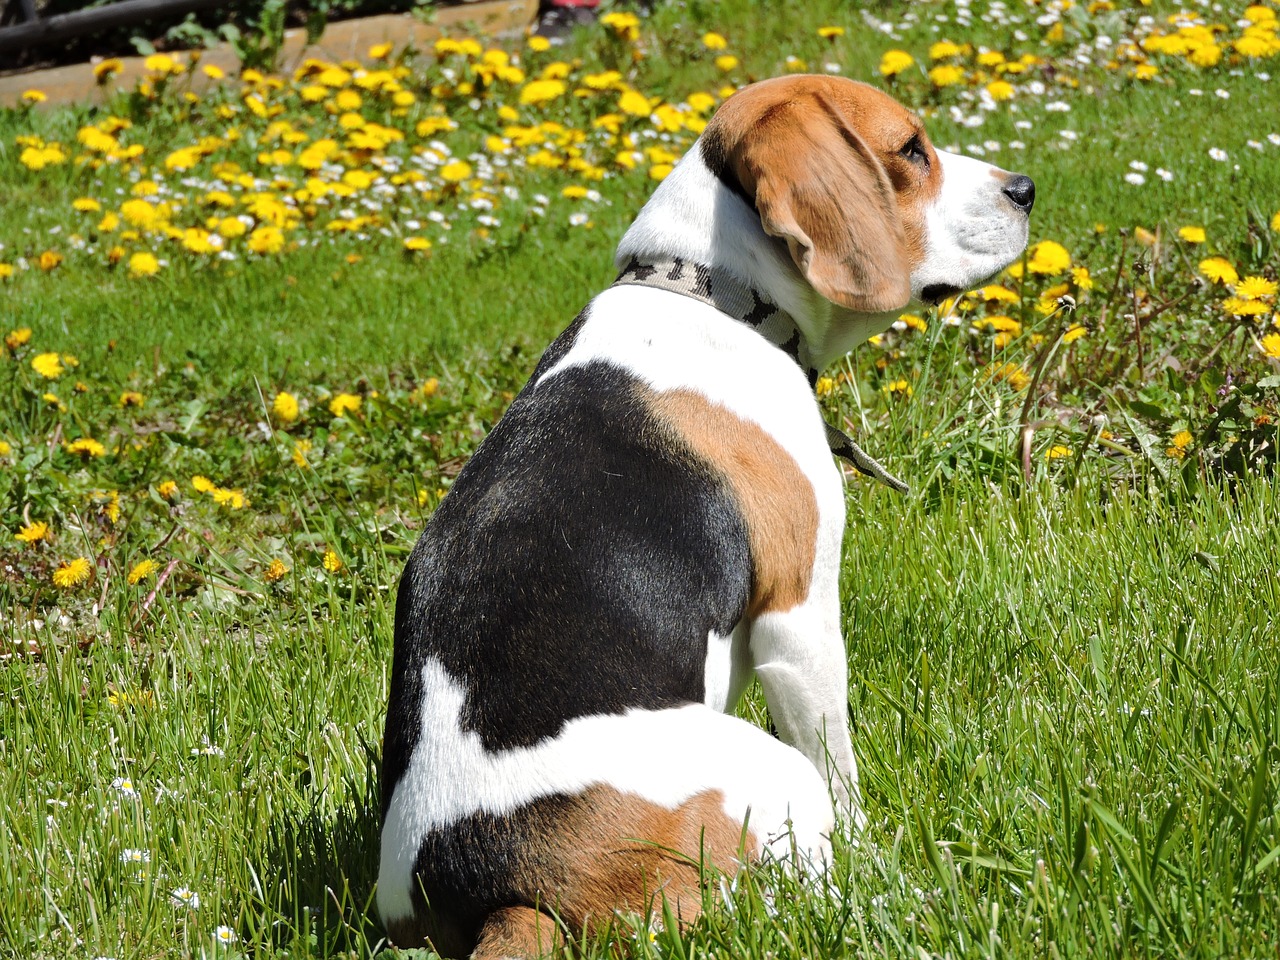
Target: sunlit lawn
[244,362]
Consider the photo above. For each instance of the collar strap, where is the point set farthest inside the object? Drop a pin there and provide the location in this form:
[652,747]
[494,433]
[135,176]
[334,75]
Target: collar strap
[731,296]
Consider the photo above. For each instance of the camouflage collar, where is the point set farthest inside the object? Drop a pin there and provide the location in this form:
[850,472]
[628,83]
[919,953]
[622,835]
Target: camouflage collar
[731,296]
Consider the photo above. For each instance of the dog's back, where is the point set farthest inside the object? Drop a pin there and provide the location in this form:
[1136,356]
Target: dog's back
[576,571]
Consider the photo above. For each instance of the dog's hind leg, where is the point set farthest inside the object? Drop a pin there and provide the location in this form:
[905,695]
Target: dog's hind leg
[517,933]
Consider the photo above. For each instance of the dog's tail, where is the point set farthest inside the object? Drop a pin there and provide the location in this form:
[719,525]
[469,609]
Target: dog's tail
[518,933]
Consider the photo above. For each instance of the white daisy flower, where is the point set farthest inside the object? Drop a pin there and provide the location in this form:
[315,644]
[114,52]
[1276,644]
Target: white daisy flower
[185,897]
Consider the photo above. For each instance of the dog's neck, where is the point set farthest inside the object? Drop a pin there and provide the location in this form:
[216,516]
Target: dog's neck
[722,290]
[747,305]
[693,217]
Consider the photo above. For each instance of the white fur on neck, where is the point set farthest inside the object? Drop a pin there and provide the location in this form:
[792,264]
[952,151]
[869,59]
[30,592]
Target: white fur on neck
[694,216]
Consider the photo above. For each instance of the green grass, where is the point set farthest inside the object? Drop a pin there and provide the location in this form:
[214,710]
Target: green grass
[1064,670]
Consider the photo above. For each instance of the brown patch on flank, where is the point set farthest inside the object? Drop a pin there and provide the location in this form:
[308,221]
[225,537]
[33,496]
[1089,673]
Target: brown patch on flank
[576,857]
[821,159]
[616,850]
[518,932]
[774,495]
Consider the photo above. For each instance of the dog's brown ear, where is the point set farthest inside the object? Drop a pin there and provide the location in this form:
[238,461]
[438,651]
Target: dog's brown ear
[817,186]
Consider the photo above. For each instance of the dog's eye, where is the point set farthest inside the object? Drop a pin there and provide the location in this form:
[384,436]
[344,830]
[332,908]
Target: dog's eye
[914,151]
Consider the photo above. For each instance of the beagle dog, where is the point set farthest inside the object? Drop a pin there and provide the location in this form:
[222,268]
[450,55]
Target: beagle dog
[656,520]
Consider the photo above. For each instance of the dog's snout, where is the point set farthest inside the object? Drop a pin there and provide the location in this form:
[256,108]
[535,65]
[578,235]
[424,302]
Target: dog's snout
[1022,191]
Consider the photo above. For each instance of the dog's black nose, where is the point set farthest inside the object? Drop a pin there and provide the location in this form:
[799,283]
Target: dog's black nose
[1022,191]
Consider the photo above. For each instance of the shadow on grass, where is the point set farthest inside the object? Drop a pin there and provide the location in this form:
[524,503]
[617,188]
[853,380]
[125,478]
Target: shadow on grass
[318,898]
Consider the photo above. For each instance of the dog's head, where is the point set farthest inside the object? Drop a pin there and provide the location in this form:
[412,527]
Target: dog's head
[873,216]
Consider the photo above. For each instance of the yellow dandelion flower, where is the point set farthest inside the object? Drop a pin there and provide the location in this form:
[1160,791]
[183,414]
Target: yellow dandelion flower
[634,103]
[6,271]
[541,91]
[106,69]
[49,260]
[901,387]
[131,398]
[1074,333]
[1256,288]
[86,205]
[1057,452]
[538,44]
[72,573]
[275,571]
[944,49]
[167,489]
[235,499]
[143,265]
[1179,444]
[163,64]
[726,62]
[285,407]
[416,244]
[344,403]
[231,227]
[332,562]
[203,484]
[1048,257]
[946,75]
[5,449]
[87,446]
[1013,375]
[1240,307]
[1001,90]
[141,570]
[995,292]
[714,41]
[1270,345]
[830,33]
[1275,222]
[48,365]
[34,532]
[1192,234]
[34,96]
[131,698]
[824,387]
[17,338]
[625,25]
[380,51]
[1081,278]
[456,171]
[1219,270]
[299,454]
[266,240]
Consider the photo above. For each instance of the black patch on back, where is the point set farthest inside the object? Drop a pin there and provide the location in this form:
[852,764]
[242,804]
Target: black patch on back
[715,154]
[575,568]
